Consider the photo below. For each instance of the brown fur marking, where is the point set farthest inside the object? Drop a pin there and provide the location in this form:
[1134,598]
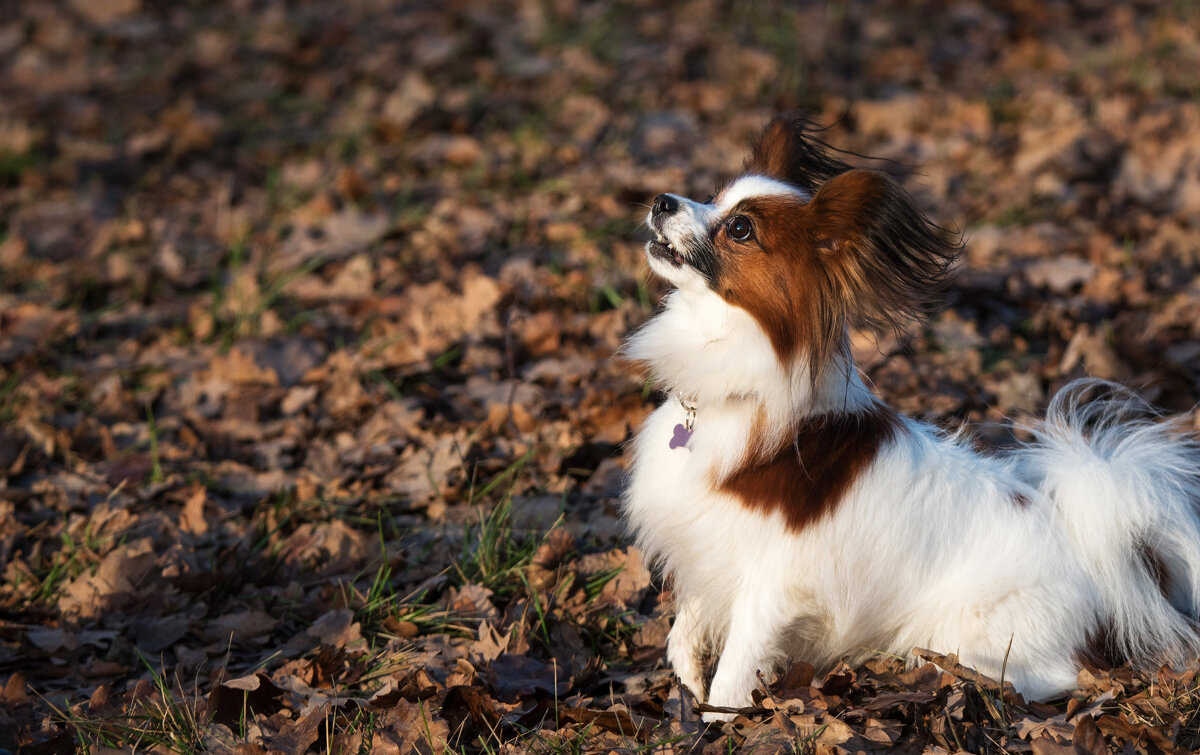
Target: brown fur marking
[786,151]
[778,280]
[1100,652]
[859,254]
[806,480]
[1157,569]
[1021,500]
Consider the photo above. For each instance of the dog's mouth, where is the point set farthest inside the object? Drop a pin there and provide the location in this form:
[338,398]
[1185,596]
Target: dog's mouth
[662,248]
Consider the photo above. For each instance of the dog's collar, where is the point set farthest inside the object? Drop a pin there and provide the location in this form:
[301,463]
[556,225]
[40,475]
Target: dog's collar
[689,406]
[683,432]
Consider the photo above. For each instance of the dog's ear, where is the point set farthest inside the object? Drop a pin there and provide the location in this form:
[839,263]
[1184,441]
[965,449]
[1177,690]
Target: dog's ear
[786,151]
[889,263]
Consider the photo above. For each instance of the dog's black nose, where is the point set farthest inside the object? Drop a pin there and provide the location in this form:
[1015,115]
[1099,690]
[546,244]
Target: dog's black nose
[665,204]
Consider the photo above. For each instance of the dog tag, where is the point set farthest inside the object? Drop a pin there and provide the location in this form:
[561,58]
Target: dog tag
[681,437]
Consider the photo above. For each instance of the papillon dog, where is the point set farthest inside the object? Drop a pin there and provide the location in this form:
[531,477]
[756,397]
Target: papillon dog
[798,517]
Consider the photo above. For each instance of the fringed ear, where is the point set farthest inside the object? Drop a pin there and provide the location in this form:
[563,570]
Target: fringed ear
[787,152]
[890,263]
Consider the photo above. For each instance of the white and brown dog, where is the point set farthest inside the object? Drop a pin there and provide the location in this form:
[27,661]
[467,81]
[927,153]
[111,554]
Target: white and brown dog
[800,517]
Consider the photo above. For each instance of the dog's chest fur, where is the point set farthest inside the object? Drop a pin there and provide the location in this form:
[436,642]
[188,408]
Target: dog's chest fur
[683,521]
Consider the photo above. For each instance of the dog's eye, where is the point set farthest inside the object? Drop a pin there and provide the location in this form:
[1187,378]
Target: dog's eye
[739,228]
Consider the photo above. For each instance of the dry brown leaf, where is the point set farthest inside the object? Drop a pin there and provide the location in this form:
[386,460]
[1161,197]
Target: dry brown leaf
[14,691]
[119,581]
[1044,745]
[328,548]
[337,629]
[240,368]
[243,626]
[191,516]
[472,601]
[514,676]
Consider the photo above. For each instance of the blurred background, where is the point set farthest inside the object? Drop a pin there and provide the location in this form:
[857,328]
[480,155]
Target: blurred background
[293,292]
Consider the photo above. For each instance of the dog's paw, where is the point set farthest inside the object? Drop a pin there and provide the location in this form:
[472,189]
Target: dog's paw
[723,696]
[692,683]
[717,718]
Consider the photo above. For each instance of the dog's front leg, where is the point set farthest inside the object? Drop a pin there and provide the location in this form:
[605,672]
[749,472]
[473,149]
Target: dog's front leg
[755,630]
[685,647]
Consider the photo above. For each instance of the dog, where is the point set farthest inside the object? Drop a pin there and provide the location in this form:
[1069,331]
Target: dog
[799,517]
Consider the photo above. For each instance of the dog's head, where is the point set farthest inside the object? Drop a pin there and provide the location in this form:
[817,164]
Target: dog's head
[805,244]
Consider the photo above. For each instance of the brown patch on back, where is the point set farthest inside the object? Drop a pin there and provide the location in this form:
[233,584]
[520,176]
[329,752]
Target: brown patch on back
[806,480]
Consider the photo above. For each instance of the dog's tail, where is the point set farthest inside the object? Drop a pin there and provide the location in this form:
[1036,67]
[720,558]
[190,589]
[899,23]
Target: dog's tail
[1126,490]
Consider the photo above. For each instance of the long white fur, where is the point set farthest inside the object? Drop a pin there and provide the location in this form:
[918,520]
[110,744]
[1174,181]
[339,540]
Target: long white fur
[928,548]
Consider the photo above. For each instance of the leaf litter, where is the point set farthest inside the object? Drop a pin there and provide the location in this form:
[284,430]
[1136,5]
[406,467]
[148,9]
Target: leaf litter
[311,431]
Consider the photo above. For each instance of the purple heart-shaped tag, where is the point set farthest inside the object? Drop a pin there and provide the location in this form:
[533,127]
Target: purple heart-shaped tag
[681,437]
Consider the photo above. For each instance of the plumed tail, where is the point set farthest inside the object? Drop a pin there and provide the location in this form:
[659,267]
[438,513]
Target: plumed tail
[1125,485]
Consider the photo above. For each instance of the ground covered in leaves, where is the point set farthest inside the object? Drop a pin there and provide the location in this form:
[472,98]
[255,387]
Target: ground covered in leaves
[310,431]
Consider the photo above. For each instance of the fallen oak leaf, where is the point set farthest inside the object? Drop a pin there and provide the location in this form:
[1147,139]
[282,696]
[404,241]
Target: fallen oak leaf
[102,702]
[513,676]
[142,690]
[950,664]
[462,675]
[1117,726]
[1087,738]
[61,742]
[838,681]
[881,732]
[617,720]
[244,626]
[237,699]
[898,699]
[927,678]
[557,544]
[798,676]
[650,639]
[153,635]
[1031,728]
[834,731]
[419,731]
[191,516]
[470,710]
[327,548]
[299,736]
[491,643]
[14,693]
[1044,745]
[239,367]
[417,686]
[627,574]
[51,639]
[337,629]
[763,738]
[131,470]
[1077,707]
[118,581]
[472,601]
[401,627]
